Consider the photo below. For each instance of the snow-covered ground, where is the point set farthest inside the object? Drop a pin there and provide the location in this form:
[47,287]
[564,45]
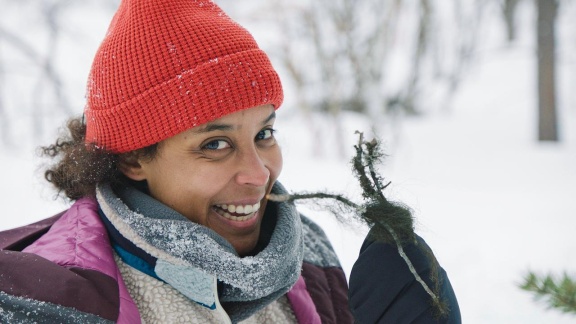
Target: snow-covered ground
[491,201]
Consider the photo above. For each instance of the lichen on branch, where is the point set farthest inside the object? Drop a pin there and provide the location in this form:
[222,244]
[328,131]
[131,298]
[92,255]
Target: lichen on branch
[391,223]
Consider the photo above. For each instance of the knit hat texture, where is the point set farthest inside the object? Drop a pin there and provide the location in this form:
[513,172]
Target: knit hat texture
[168,65]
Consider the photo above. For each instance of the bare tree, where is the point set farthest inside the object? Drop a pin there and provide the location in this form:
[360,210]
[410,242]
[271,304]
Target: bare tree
[4,125]
[467,19]
[33,92]
[546,36]
[42,60]
[509,13]
[547,17]
[378,58]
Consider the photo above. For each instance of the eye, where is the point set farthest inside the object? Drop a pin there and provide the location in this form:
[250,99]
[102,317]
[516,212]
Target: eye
[216,145]
[265,134]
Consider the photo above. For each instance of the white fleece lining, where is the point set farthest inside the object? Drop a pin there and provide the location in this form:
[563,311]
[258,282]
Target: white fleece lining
[160,303]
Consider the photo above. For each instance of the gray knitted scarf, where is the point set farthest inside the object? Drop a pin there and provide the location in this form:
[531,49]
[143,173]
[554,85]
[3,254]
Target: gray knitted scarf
[190,257]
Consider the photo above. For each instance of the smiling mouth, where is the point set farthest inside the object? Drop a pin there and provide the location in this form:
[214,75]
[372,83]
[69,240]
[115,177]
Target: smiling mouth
[238,213]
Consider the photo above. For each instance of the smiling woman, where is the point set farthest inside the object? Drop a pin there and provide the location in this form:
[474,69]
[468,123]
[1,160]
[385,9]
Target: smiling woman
[172,172]
[169,170]
[215,174]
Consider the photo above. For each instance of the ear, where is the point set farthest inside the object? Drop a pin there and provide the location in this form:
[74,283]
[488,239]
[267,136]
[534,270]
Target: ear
[130,166]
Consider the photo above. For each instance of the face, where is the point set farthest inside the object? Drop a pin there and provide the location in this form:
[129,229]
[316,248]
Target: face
[218,174]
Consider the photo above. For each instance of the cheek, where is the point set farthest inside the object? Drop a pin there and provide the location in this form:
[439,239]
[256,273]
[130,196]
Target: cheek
[187,187]
[208,180]
[275,164]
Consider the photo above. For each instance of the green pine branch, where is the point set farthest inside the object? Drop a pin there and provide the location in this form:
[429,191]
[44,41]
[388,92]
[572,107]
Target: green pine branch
[558,293]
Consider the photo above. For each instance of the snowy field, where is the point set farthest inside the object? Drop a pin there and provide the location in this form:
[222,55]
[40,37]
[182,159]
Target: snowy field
[490,200]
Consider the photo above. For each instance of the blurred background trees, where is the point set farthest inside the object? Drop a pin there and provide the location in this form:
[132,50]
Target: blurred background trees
[44,44]
[383,59]
[388,59]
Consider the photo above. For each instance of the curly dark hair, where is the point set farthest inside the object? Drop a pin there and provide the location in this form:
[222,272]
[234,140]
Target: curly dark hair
[79,166]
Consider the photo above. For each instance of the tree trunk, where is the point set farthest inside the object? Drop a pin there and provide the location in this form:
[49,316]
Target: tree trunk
[509,10]
[547,118]
[4,125]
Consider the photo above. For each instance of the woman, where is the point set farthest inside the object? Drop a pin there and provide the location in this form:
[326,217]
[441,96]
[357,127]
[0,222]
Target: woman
[170,169]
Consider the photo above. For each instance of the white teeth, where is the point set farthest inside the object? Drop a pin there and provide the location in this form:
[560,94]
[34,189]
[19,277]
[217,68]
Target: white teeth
[240,209]
[235,218]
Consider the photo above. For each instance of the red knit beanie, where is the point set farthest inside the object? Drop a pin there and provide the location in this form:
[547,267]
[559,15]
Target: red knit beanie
[168,65]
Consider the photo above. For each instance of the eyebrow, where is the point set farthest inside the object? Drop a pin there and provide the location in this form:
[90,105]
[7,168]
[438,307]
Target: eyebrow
[215,126]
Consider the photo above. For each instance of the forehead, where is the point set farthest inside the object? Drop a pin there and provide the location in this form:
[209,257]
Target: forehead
[257,116]
[251,116]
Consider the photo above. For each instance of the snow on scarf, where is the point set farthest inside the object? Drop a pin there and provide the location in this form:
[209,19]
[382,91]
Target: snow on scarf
[190,257]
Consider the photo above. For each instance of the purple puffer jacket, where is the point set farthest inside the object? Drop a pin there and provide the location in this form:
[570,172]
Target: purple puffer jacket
[63,268]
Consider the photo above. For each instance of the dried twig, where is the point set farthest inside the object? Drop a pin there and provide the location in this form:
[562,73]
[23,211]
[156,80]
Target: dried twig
[389,222]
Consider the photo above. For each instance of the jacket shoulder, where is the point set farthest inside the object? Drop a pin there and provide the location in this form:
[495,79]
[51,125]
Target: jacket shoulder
[317,248]
[324,278]
[16,239]
[52,265]
[37,289]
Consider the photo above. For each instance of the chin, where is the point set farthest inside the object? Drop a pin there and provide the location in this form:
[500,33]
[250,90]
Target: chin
[245,247]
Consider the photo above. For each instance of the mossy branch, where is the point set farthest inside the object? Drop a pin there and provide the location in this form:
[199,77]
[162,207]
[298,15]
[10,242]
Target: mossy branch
[390,222]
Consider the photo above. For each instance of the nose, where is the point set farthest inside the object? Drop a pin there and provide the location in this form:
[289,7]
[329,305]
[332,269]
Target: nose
[252,169]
